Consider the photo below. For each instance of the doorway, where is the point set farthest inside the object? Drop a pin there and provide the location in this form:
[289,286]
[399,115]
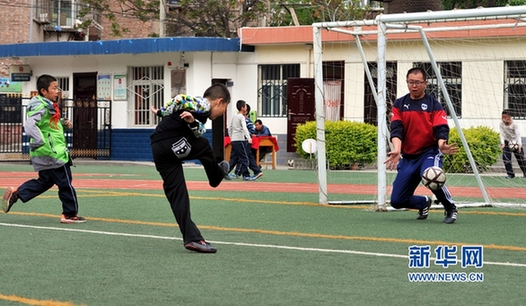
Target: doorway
[219,128]
[85,115]
[300,106]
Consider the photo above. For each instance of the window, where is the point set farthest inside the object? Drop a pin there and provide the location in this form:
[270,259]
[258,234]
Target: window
[57,12]
[515,88]
[63,84]
[273,88]
[146,89]
[370,114]
[451,73]
[44,11]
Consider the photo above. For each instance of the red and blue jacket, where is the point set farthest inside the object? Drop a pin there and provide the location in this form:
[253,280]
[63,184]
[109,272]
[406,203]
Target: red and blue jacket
[418,124]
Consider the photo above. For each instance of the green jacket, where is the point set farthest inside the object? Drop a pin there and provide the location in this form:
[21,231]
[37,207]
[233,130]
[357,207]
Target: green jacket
[48,147]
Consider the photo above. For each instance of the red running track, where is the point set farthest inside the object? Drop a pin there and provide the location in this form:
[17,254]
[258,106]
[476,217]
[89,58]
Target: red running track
[81,180]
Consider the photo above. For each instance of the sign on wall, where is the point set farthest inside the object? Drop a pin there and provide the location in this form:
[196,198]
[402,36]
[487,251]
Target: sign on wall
[119,86]
[20,73]
[104,87]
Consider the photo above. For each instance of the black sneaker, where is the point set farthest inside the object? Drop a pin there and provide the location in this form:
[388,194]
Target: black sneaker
[225,168]
[451,216]
[200,246]
[9,199]
[424,212]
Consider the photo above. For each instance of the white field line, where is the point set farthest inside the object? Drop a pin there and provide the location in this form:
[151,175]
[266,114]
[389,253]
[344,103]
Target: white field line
[270,246]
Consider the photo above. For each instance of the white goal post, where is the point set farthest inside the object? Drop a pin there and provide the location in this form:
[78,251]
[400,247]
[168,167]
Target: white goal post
[485,23]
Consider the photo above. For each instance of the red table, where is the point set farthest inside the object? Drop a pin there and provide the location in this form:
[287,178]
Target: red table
[257,142]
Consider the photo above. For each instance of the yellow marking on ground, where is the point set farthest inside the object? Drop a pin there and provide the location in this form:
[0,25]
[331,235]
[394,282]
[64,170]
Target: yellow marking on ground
[27,301]
[253,201]
[109,220]
[360,238]
[242,200]
[104,193]
[291,234]
[501,213]
[95,193]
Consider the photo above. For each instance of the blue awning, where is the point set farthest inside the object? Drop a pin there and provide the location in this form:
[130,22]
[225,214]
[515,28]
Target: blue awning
[122,46]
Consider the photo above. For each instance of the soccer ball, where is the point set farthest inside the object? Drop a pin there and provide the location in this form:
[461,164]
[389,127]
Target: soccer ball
[514,146]
[434,178]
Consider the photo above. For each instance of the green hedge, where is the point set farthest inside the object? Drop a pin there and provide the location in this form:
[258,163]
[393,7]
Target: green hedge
[349,142]
[346,142]
[484,145]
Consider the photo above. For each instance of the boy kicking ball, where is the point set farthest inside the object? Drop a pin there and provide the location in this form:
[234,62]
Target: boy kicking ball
[177,138]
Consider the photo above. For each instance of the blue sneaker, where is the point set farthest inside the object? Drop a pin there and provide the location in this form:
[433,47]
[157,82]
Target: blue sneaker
[234,176]
[249,178]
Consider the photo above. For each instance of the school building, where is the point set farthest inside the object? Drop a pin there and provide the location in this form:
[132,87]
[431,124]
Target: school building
[484,71]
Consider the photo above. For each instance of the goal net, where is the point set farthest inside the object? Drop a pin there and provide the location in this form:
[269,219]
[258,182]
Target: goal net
[475,62]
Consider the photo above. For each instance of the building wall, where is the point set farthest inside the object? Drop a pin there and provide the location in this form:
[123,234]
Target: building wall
[14,20]
[17,22]
[137,28]
[199,74]
[482,72]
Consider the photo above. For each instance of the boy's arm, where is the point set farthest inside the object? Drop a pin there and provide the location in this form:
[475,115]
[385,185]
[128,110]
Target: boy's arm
[518,137]
[66,123]
[245,130]
[502,134]
[197,127]
[156,111]
[231,127]
[197,105]
[32,130]
[250,126]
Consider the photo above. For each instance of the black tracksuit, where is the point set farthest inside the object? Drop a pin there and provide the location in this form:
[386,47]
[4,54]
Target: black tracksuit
[173,142]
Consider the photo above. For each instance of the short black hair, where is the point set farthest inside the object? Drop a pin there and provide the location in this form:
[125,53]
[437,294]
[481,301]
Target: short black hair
[506,112]
[44,81]
[259,121]
[217,91]
[248,108]
[240,104]
[416,70]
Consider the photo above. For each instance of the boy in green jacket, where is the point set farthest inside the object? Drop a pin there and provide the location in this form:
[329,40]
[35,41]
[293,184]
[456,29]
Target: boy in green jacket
[48,151]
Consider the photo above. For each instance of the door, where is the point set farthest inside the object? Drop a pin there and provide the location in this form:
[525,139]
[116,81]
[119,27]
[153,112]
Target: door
[85,114]
[300,107]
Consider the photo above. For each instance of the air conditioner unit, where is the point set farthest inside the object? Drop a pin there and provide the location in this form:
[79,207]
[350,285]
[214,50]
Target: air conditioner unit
[44,18]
